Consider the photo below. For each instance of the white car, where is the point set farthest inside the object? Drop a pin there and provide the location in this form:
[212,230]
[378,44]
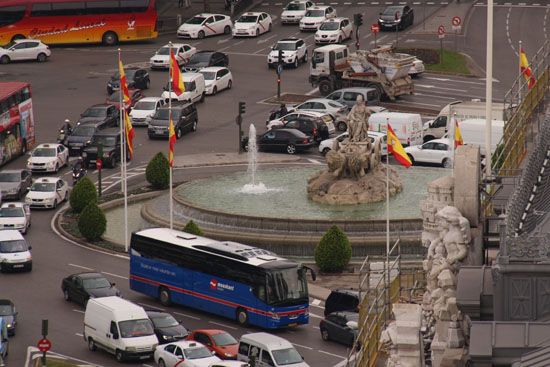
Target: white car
[417,68]
[326,145]
[216,78]
[297,115]
[436,151]
[294,11]
[252,24]
[194,354]
[15,216]
[315,16]
[229,364]
[47,192]
[144,109]
[293,51]
[334,30]
[182,53]
[24,49]
[204,25]
[323,105]
[48,158]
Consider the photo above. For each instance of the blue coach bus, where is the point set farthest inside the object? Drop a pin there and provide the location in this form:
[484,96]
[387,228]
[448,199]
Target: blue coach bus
[248,284]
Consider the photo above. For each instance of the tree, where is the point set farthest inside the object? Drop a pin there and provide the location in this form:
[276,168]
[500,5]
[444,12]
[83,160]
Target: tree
[92,223]
[158,172]
[83,193]
[333,252]
[193,228]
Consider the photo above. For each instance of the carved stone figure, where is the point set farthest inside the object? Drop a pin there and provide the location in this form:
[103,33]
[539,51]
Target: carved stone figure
[358,121]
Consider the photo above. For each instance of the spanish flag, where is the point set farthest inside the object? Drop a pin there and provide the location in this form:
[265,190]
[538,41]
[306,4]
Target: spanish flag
[171,142]
[123,85]
[526,69]
[458,136]
[395,147]
[129,131]
[175,75]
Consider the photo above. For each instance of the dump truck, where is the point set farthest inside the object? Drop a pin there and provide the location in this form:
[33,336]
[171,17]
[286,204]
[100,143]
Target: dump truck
[334,67]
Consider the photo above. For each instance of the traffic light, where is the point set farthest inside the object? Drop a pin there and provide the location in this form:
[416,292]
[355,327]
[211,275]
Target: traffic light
[242,108]
[280,56]
[358,19]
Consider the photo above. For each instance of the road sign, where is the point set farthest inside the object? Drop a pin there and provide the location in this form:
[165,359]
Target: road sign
[44,345]
[375,28]
[98,164]
[456,21]
[279,69]
[441,31]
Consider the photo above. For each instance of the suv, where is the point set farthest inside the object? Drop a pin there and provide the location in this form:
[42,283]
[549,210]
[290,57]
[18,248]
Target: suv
[314,127]
[203,59]
[294,51]
[110,142]
[137,78]
[184,116]
[95,118]
[342,300]
[348,96]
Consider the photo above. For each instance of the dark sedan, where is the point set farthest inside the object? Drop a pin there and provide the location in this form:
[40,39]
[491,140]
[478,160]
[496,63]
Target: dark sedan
[109,140]
[282,140]
[9,315]
[14,183]
[400,17]
[167,328]
[340,326]
[83,286]
[137,78]
[135,95]
[203,59]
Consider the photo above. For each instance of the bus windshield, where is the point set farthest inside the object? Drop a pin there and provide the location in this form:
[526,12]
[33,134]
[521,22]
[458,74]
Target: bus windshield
[286,286]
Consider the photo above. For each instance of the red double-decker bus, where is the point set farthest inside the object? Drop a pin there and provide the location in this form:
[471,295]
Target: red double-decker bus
[78,21]
[16,120]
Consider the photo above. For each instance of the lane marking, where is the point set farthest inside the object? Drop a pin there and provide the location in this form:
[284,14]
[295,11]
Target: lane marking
[302,346]
[186,315]
[79,311]
[313,91]
[115,275]
[314,161]
[316,327]
[316,302]
[151,306]
[223,325]
[332,354]
[316,316]
[81,267]
[442,88]
[80,335]
[453,80]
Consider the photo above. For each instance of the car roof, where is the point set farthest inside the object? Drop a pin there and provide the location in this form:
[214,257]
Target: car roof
[267,339]
[209,14]
[212,68]
[27,40]
[442,140]
[10,235]
[88,275]
[326,100]
[11,204]
[210,331]
[352,292]
[337,19]
[47,179]
[152,313]
[253,13]
[319,7]
[151,99]
[47,145]
[308,113]
[187,344]
[293,40]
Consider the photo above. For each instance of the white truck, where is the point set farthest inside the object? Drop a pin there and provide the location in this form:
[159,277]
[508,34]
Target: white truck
[334,67]
[473,133]
[435,129]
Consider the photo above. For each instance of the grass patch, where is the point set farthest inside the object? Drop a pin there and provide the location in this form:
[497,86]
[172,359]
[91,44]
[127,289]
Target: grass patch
[452,62]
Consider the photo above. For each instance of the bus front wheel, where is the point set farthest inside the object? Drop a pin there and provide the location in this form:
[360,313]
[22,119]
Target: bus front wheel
[110,39]
[242,316]
[164,296]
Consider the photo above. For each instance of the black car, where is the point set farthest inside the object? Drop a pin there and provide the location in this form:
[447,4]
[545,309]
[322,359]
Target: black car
[203,59]
[313,127]
[167,328]
[14,183]
[95,118]
[342,300]
[340,327]
[83,286]
[9,315]
[282,140]
[109,140]
[400,16]
[184,116]
[137,78]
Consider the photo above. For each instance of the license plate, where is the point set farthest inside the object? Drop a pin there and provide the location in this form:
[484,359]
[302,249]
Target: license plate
[18,266]
[143,357]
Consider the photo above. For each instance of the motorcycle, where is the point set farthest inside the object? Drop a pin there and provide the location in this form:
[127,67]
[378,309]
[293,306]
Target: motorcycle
[78,173]
[64,133]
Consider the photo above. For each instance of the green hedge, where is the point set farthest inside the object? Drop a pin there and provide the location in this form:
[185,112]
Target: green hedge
[333,252]
[83,193]
[92,222]
[158,172]
[193,228]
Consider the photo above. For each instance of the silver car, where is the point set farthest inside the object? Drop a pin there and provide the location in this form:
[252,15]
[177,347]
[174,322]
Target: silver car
[14,183]
[348,96]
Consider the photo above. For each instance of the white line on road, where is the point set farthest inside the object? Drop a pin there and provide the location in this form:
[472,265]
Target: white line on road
[186,315]
[412,104]
[151,306]
[245,54]
[314,161]
[453,80]
[332,354]
[316,316]
[81,267]
[147,365]
[316,327]
[79,311]
[223,325]
[115,275]
[435,96]
[442,88]
[313,91]
[264,40]
[316,302]
[302,346]
[78,334]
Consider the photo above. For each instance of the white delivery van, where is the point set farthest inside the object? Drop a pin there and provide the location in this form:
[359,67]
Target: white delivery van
[195,89]
[269,350]
[15,253]
[407,126]
[473,133]
[119,327]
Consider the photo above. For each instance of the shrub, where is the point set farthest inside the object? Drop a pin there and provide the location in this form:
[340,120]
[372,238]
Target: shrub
[158,172]
[333,252]
[193,228]
[92,222]
[83,193]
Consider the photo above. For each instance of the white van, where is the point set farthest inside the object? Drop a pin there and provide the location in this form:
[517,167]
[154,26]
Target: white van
[15,253]
[407,126]
[195,89]
[269,350]
[473,133]
[119,327]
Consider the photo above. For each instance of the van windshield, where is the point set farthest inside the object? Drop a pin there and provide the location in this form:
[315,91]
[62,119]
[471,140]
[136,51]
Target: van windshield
[287,356]
[135,328]
[10,247]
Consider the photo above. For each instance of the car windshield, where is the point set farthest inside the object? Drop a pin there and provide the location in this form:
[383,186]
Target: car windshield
[145,106]
[195,20]
[83,130]
[6,310]
[287,356]
[9,247]
[166,51]
[164,321]
[315,13]
[329,26]
[10,176]
[43,186]
[12,212]
[95,112]
[391,10]
[200,57]
[129,73]
[44,152]
[223,339]
[164,114]
[106,141]
[197,353]
[247,19]
[296,6]
[285,46]
[286,286]
[95,283]
[209,75]
[135,328]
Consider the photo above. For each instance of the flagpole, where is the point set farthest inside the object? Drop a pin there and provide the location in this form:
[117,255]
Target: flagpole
[171,204]
[388,215]
[519,79]
[123,157]
[452,140]
[489,90]
[121,118]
